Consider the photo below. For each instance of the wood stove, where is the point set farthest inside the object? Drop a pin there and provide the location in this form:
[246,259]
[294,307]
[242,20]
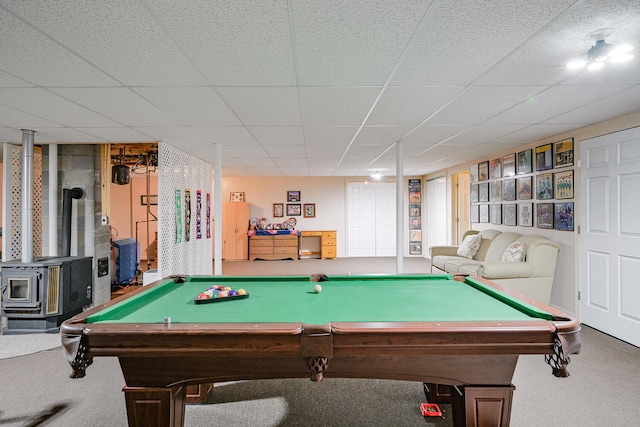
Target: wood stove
[40,295]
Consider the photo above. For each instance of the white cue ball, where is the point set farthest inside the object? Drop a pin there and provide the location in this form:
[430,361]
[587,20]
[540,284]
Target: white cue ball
[317,289]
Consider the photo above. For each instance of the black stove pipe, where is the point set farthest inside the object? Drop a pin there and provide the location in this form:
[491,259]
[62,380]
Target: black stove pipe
[67,196]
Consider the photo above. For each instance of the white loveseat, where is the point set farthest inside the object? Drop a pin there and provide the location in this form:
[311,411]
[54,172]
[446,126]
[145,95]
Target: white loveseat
[532,277]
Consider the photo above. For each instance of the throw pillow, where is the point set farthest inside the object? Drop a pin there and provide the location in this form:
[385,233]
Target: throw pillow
[516,252]
[469,246]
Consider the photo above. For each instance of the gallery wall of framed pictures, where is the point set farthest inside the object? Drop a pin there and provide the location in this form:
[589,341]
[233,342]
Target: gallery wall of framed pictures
[532,187]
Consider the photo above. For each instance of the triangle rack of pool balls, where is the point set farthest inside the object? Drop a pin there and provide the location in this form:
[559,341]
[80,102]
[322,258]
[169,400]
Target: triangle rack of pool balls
[218,293]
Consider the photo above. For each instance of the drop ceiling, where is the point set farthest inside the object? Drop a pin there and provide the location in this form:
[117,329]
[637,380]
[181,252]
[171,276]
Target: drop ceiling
[312,88]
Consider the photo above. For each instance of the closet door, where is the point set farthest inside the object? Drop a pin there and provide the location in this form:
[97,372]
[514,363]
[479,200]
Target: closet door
[371,219]
[361,219]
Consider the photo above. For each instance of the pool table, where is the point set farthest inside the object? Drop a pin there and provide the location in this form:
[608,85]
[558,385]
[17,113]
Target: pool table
[435,329]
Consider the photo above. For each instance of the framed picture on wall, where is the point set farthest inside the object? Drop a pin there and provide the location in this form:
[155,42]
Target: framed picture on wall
[509,190]
[564,216]
[309,210]
[545,215]
[236,196]
[544,186]
[153,199]
[294,209]
[525,214]
[278,210]
[473,195]
[473,173]
[563,153]
[563,184]
[496,213]
[475,213]
[509,165]
[293,196]
[495,191]
[483,171]
[525,162]
[544,157]
[524,188]
[495,169]
[483,192]
[509,213]
[484,213]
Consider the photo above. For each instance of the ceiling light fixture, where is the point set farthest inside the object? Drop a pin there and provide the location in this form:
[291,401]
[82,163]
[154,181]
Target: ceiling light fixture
[376,175]
[602,53]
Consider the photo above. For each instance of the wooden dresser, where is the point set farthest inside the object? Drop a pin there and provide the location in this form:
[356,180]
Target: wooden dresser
[274,247]
[328,245]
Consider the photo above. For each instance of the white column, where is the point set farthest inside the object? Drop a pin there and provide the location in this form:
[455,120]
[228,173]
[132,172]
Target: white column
[27,195]
[217,210]
[53,199]
[400,207]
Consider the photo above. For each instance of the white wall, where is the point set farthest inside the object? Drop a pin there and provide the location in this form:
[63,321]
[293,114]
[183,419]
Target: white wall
[565,285]
[327,193]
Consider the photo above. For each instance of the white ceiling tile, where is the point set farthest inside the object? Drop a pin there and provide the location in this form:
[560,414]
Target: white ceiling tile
[552,102]
[606,108]
[449,37]
[121,105]
[138,51]
[346,106]
[287,152]
[19,120]
[225,135]
[117,134]
[533,133]
[432,135]
[323,152]
[241,42]
[387,135]
[7,80]
[28,53]
[278,135]
[264,106]
[65,135]
[42,103]
[329,135]
[190,106]
[335,44]
[477,104]
[483,133]
[410,105]
[244,152]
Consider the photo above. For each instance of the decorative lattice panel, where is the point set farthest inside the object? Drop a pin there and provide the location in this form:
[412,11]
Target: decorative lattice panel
[184,245]
[15,208]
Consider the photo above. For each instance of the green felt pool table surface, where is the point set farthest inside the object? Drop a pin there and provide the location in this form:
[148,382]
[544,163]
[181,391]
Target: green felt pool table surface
[402,298]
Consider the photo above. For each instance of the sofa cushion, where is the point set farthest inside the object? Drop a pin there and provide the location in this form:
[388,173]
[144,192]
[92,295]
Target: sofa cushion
[515,252]
[500,244]
[469,246]
[487,237]
[458,264]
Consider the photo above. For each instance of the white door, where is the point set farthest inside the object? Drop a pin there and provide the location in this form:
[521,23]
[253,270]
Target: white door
[609,246]
[361,202]
[436,212]
[371,218]
[385,218]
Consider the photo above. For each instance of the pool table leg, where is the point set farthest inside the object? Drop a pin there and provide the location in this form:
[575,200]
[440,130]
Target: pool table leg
[481,406]
[155,406]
